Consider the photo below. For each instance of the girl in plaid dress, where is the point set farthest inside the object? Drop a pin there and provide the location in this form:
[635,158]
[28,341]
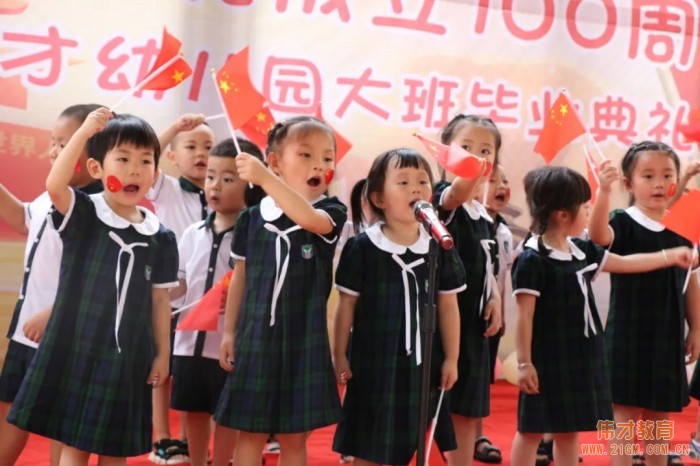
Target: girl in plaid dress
[89,384]
[382,277]
[480,304]
[275,341]
[647,310]
[564,388]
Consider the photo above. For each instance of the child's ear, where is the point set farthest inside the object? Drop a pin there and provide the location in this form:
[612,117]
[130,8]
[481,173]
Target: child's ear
[376,199]
[94,168]
[170,155]
[562,216]
[626,183]
[273,162]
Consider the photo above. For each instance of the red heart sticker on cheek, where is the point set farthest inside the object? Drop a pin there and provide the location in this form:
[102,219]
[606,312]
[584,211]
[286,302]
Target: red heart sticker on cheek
[672,189]
[113,184]
[508,192]
[329,175]
[78,168]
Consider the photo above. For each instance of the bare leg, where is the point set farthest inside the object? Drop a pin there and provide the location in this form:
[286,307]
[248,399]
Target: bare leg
[566,449]
[12,439]
[55,452]
[465,431]
[161,407]
[225,440]
[249,449]
[111,461]
[73,457]
[652,459]
[361,462]
[623,414]
[524,449]
[198,434]
[292,449]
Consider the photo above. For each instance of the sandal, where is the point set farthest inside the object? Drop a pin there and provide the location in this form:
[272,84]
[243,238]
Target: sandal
[694,450]
[485,452]
[545,453]
[674,460]
[169,451]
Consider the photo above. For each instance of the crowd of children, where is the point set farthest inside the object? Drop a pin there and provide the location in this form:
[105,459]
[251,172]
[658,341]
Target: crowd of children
[95,363]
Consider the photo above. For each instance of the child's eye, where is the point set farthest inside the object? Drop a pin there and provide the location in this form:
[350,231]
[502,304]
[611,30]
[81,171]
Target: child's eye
[402,183]
[328,159]
[306,155]
[147,161]
[424,182]
[210,178]
[467,148]
[486,151]
[122,159]
[229,180]
[189,147]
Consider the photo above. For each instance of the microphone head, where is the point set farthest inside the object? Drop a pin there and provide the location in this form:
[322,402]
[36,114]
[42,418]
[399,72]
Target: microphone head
[418,206]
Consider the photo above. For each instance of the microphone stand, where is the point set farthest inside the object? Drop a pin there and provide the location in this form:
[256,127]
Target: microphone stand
[428,329]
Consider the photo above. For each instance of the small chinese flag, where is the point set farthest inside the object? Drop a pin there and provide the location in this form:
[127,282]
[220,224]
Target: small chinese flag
[342,145]
[562,126]
[205,315]
[455,159]
[173,74]
[240,99]
[691,131]
[683,217]
[258,126]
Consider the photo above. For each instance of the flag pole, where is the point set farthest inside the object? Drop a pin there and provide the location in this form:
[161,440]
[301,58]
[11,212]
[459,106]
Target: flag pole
[223,106]
[145,81]
[591,163]
[435,420]
[690,268]
[215,117]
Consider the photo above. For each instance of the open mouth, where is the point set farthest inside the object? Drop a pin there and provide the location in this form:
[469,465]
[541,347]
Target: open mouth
[201,163]
[412,204]
[131,188]
[214,198]
[314,182]
[501,197]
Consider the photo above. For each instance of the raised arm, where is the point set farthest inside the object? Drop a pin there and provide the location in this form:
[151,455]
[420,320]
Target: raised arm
[462,189]
[12,211]
[645,262]
[293,204]
[598,229]
[185,122]
[234,299]
[58,181]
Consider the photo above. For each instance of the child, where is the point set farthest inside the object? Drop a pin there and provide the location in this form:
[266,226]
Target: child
[497,197]
[362,216]
[559,335]
[42,259]
[379,274]
[646,310]
[89,383]
[205,251]
[480,303]
[276,308]
[178,202]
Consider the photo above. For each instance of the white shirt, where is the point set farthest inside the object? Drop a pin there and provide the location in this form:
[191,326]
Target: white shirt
[178,203]
[504,240]
[201,255]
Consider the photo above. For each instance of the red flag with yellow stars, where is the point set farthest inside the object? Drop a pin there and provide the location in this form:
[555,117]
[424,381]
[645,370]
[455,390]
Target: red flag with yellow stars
[561,126]
[258,126]
[173,74]
[240,99]
[691,131]
[683,217]
[205,315]
[342,145]
[455,159]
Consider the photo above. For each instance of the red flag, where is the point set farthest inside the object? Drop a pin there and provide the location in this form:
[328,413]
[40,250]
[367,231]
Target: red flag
[683,217]
[562,126]
[240,99]
[691,131]
[455,159]
[205,315]
[434,457]
[258,126]
[342,145]
[174,73]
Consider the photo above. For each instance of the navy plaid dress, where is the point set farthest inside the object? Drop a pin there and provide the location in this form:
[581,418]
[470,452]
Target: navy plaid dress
[86,387]
[470,395]
[645,330]
[380,411]
[283,379]
[574,388]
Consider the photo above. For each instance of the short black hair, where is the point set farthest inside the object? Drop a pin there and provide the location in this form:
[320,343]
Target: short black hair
[79,112]
[226,148]
[402,157]
[121,129]
[298,126]
[448,132]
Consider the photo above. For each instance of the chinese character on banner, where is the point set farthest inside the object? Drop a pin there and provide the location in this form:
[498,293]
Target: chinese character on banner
[661,128]
[292,85]
[341,6]
[667,29]
[429,100]
[606,430]
[512,26]
[41,68]
[614,117]
[419,23]
[24,141]
[353,96]
[605,36]
[645,430]
[342,145]
[498,101]
[627,430]
[665,428]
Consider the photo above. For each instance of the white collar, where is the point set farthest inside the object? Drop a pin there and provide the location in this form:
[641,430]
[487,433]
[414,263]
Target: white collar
[271,212]
[475,210]
[379,239]
[148,227]
[641,218]
[555,253]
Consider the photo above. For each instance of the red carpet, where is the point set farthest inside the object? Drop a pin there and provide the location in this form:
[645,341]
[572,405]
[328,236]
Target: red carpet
[499,427]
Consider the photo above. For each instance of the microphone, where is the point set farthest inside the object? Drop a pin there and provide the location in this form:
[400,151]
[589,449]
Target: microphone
[425,214]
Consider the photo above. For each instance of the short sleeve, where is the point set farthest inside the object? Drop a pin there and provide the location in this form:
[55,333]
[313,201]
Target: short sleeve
[438,193]
[78,217]
[594,254]
[453,278]
[528,273]
[337,213]
[350,271]
[619,230]
[185,249]
[239,241]
[165,270]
